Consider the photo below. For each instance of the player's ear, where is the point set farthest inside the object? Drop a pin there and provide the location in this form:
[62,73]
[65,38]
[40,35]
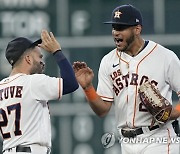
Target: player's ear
[28,58]
[138,29]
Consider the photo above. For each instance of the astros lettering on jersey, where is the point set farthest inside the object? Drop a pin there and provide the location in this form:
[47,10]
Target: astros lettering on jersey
[155,63]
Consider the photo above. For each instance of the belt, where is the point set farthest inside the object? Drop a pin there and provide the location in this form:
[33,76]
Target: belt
[135,132]
[20,148]
[27,149]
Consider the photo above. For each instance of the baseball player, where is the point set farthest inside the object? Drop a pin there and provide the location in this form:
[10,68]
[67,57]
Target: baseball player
[24,95]
[133,62]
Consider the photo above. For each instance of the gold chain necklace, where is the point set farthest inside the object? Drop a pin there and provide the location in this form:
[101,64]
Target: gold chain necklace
[119,53]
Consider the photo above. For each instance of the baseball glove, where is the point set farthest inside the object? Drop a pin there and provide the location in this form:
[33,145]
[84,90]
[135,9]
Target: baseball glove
[156,104]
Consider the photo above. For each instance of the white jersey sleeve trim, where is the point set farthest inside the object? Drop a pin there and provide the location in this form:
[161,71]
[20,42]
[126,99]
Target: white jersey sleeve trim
[104,98]
[60,88]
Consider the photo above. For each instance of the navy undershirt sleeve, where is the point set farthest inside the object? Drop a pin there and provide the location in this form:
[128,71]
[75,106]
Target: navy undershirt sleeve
[67,74]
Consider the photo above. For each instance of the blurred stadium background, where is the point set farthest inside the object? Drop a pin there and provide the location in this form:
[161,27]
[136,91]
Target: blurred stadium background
[78,25]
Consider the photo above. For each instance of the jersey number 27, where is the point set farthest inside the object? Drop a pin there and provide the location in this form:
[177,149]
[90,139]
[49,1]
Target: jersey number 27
[4,119]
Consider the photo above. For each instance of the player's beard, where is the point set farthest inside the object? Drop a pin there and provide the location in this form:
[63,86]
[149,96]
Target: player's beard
[38,67]
[129,42]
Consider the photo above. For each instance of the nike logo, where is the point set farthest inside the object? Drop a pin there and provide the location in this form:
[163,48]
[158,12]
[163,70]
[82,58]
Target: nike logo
[114,65]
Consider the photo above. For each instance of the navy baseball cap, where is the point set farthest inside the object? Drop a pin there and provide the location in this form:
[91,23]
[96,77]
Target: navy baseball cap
[126,15]
[17,47]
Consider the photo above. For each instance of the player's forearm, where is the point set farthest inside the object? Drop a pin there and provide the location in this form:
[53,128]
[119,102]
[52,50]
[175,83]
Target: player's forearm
[100,107]
[175,112]
[67,74]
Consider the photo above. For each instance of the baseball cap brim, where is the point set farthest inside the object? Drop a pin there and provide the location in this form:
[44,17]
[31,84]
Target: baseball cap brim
[36,42]
[118,23]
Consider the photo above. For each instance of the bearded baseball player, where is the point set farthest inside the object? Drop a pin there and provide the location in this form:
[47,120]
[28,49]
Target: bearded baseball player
[138,78]
[24,95]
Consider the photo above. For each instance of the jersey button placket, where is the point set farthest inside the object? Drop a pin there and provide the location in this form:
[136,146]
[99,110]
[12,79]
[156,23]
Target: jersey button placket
[131,91]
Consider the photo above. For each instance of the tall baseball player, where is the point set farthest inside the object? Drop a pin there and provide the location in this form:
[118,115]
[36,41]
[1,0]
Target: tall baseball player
[24,95]
[122,72]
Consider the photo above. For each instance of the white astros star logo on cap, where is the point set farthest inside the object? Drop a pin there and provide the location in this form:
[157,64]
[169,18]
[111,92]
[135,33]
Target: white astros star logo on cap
[117,14]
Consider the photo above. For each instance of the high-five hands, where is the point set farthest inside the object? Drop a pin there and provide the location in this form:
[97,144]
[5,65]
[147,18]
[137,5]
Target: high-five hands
[49,42]
[83,73]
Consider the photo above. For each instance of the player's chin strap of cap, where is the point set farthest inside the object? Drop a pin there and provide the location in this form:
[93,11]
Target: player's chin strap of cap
[134,132]
[21,148]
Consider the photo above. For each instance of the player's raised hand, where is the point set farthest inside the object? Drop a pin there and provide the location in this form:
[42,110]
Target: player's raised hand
[83,73]
[49,42]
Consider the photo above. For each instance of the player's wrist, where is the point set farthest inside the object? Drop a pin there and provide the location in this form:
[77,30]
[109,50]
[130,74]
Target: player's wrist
[59,50]
[59,56]
[177,107]
[177,110]
[88,86]
[91,94]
